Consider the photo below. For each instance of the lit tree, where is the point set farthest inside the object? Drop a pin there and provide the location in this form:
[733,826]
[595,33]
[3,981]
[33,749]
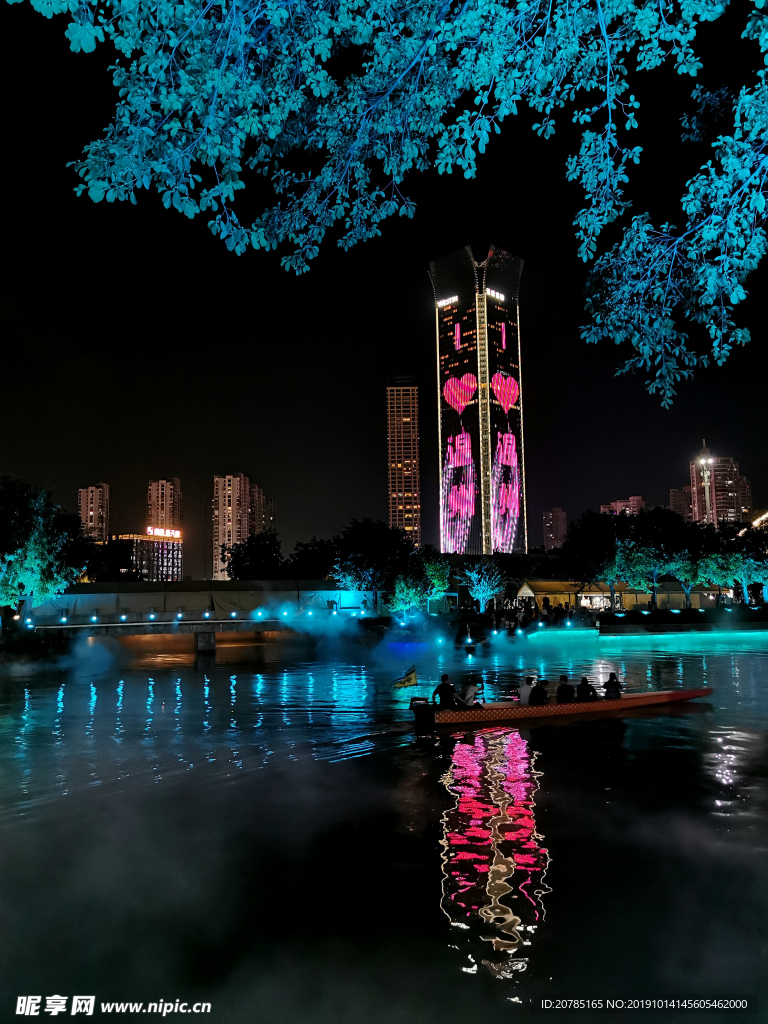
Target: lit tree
[33,563]
[409,594]
[483,581]
[687,571]
[336,101]
[640,567]
[721,569]
[372,557]
[437,570]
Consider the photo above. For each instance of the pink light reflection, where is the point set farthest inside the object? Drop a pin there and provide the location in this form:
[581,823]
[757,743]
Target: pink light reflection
[492,855]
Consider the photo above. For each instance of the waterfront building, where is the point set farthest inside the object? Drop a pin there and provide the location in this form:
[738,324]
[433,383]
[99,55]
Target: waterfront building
[719,493]
[239,510]
[93,508]
[403,456]
[680,502]
[156,556]
[555,527]
[480,418]
[630,505]
[164,503]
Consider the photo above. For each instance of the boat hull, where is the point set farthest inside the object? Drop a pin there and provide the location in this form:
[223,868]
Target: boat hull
[511,711]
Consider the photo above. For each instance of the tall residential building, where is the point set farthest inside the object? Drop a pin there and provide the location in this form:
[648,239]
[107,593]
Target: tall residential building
[555,527]
[719,493]
[93,507]
[629,505]
[164,503]
[480,421]
[262,511]
[239,510]
[156,555]
[680,502]
[403,456]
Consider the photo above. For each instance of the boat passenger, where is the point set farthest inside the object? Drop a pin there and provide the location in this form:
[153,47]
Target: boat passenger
[565,692]
[469,693]
[539,693]
[613,687]
[585,690]
[525,689]
[446,695]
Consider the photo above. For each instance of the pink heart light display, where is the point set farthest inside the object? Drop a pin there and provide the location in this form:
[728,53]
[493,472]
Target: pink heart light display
[458,392]
[506,390]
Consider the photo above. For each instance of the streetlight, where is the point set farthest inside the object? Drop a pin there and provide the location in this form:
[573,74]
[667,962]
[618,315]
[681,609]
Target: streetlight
[706,474]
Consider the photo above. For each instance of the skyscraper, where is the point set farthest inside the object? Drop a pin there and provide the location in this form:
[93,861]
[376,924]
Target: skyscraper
[239,510]
[262,511]
[555,527]
[93,507]
[680,501]
[164,503]
[482,468]
[719,493]
[403,456]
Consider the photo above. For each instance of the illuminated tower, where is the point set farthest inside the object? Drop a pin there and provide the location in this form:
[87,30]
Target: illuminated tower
[482,468]
[239,510]
[403,456]
[93,506]
[164,503]
[231,516]
[719,493]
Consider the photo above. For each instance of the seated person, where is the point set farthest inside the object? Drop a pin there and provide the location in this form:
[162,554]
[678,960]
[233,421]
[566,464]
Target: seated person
[565,692]
[539,693]
[446,695]
[469,692]
[525,689]
[585,690]
[612,688]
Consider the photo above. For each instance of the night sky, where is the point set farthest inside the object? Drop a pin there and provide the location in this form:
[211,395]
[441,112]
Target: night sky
[135,346]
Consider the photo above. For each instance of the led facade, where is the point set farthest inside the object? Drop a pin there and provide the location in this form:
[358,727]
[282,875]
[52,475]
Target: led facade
[482,469]
[156,557]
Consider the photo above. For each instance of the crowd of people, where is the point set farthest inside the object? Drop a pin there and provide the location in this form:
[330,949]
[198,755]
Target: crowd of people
[532,691]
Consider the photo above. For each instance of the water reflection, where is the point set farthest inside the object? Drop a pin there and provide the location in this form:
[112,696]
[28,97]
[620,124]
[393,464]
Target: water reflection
[492,852]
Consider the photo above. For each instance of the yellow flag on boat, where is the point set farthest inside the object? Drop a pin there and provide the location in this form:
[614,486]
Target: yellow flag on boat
[409,679]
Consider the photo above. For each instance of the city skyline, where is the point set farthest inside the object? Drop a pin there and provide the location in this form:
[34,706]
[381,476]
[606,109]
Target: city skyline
[315,396]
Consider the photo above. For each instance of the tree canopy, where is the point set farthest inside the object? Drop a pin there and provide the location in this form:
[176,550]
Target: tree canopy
[332,103]
[41,549]
[258,557]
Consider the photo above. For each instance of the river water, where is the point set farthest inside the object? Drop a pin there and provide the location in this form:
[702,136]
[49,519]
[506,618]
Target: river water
[264,832]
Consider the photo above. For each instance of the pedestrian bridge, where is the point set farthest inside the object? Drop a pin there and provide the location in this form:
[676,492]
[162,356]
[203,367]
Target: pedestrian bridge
[202,607]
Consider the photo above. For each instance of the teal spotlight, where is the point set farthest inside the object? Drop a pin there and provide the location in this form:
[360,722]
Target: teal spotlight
[152,615]
[93,618]
[123,618]
[206,615]
[233,615]
[63,618]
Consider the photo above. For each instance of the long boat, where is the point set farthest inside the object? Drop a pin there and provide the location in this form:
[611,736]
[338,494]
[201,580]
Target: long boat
[426,714]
